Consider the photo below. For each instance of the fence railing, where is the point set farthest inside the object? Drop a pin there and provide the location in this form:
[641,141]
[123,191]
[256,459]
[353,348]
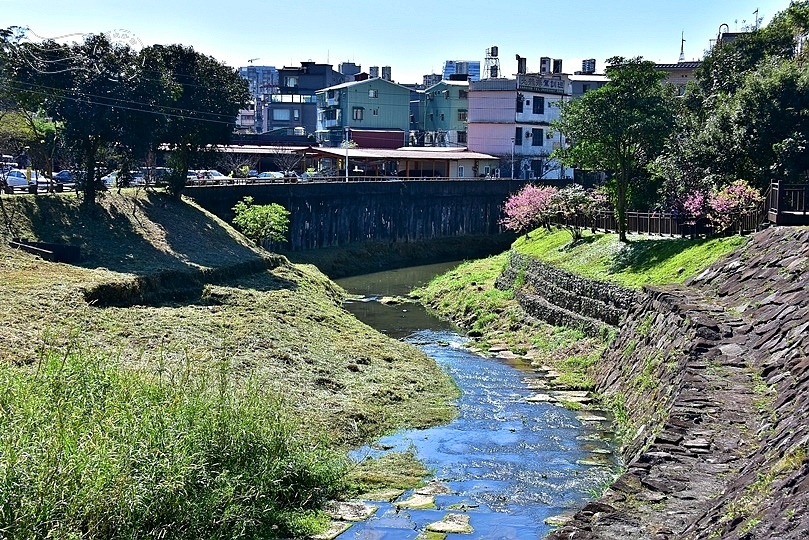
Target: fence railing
[657,223]
[788,203]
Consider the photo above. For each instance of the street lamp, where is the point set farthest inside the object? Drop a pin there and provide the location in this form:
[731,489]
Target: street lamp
[512,158]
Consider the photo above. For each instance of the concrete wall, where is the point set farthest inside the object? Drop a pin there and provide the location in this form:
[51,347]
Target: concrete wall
[338,214]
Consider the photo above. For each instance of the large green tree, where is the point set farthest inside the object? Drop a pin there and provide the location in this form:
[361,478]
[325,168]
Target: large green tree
[745,118]
[203,100]
[619,128]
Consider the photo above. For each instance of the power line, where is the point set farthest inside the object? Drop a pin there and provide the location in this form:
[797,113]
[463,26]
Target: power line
[113,106]
[130,102]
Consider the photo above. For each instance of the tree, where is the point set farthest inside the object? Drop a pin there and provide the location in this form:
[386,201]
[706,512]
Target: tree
[261,222]
[528,208]
[577,207]
[203,99]
[619,128]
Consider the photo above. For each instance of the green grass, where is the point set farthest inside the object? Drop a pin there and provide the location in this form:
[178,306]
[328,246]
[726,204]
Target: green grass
[91,449]
[644,260]
[162,417]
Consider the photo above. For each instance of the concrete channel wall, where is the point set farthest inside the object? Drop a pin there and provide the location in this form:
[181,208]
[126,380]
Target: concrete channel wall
[338,214]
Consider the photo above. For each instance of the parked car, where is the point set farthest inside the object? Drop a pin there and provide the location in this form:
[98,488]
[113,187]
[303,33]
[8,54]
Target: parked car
[270,176]
[211,176]
[17,178]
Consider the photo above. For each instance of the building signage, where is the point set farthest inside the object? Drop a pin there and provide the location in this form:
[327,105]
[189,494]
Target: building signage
[538,83]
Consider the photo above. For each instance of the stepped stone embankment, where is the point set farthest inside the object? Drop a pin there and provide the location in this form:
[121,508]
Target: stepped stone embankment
[563,298]
[714,378]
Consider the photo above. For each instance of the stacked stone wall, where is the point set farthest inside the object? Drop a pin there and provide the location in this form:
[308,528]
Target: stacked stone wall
[714,378]
[563,298]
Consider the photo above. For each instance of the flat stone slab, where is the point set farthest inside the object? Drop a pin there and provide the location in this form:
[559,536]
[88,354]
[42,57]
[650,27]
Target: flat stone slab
[434,488]
[697,443]
[452,523]
[417,502]
[558,521]
[591,418]
[350,510]
[540,398]
[507,355]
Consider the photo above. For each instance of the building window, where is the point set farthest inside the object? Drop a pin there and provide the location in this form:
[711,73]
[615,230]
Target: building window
[291,82]
[373,93]
[518,136]
[442,117]
[357,113]
[330,94]
[462,115]
[539,105]
[463,94]
[281,115]
[296,114]
[519,103]
[462,137]
[460,171]
[536,137]
[432,117]
[585,88]
[487,170]
[375,112]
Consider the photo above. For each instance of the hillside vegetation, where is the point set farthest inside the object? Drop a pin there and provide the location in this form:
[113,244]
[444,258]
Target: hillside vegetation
[467,294]
[178,382]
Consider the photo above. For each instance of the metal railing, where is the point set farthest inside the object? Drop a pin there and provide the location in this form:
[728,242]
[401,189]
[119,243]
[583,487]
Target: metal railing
[657,223]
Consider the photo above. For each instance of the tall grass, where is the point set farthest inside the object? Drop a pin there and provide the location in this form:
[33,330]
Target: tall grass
[89,449]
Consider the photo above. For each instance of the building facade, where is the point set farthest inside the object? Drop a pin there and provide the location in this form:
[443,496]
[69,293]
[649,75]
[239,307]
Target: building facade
[445,112]
[294,105]
[511,118]
[373,113]
[471,68]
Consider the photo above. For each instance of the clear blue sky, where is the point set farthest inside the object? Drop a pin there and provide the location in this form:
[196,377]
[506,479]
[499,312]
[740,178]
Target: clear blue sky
[413,37]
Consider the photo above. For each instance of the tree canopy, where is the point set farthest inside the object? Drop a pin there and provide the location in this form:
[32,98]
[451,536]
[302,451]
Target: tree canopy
[619,128]
[109,98]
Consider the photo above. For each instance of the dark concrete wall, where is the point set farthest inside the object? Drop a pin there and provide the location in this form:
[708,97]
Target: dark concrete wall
[339,214]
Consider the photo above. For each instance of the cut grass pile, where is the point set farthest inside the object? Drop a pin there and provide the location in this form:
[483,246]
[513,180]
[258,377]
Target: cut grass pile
[237,390]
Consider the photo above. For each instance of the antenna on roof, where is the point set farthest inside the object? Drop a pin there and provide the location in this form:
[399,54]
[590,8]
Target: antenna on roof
[682,47]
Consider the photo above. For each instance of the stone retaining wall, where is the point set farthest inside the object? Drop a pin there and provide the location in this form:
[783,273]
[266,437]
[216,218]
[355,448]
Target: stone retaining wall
[714,377]
[563,298]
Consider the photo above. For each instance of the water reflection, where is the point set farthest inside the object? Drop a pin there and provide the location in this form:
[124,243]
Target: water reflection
[508,462]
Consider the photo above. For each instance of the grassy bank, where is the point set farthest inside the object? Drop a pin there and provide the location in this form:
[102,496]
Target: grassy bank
[646,260]
[467,296]
[237,383]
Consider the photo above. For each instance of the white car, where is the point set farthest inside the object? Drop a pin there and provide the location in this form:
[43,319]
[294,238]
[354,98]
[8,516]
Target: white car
[17,178]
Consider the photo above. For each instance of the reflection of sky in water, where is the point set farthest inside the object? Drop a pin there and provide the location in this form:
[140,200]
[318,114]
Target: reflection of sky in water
[512,462]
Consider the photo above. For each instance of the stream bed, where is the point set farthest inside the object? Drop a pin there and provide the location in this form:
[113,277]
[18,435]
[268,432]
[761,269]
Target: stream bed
[507,462]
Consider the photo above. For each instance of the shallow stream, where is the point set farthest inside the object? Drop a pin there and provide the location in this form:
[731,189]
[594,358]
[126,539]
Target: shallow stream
[509,463]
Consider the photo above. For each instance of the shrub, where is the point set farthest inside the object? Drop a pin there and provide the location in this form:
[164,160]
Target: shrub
[261,222]
[89,449]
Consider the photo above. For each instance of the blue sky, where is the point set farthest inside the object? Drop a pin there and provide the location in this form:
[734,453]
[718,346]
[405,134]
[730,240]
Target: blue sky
[413,37]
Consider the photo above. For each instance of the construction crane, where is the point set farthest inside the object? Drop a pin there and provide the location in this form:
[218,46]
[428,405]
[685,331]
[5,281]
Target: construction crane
[251,60]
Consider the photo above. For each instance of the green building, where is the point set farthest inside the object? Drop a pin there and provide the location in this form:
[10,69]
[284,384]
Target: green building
[445,108]
[372,113]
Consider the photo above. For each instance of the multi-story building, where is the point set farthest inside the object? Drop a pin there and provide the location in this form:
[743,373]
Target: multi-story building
[511,118]
[430,80]
[295,105]
[445,110]
[262,81]
[470,68]
[373,113]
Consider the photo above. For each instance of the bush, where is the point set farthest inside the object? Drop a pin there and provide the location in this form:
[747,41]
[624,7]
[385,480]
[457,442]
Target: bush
[261,222]
[89,449]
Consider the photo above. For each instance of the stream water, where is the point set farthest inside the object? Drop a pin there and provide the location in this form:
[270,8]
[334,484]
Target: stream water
[509,463]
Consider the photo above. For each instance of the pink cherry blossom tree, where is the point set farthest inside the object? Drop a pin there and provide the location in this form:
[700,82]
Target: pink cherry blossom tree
[528,209]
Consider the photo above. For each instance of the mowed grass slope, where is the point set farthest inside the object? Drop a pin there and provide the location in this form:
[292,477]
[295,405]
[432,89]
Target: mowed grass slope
[174,363]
